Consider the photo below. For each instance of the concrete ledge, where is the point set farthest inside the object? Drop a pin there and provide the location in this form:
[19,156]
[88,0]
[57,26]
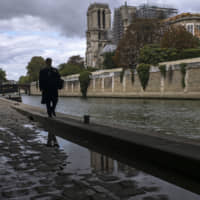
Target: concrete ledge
[147,95]
[179,154]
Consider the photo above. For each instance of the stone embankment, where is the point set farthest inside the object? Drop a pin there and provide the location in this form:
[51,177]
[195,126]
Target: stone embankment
[108,83]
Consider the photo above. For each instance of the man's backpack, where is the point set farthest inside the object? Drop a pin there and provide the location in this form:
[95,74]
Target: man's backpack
[60,84]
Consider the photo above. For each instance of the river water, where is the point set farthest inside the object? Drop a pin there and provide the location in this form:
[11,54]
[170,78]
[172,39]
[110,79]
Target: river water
[168,117]
[171,117]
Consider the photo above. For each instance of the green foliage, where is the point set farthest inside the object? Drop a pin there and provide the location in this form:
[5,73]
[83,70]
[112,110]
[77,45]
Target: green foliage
[170,74]
[74,65]
[153,54]
[189,53]
[183,72]
[2,75]
[108,62]
[84,79]
[141,32]
[91,69]
[66,69]
[132,75]
[143,73]
[122,75]
[76,60]
[24,80]
[34,67]
[163,70]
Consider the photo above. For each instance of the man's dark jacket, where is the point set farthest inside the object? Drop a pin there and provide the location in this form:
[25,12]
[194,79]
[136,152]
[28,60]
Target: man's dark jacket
[49,82]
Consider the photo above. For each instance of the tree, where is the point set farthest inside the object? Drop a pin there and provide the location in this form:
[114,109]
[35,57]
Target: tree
[108,62]
[34,67]
[66,69]
[178,37]
[2,75]
[24,80]
[153,54]
[76,60]
[84,80]
[138,34]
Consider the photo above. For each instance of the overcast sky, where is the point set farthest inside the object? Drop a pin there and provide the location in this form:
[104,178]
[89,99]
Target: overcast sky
[50,28]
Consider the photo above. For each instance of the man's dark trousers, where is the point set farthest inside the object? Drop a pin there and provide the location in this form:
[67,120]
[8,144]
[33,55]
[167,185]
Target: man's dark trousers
[51,99]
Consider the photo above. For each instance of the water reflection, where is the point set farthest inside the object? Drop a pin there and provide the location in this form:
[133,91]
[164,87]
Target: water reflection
[107,174]
[52,141]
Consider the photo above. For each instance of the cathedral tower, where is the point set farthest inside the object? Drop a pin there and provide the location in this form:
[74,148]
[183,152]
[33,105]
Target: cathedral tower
[98,26]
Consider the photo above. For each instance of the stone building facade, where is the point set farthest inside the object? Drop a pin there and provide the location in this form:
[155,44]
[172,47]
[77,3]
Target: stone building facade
[98,27]
[189,20]
[101,38]
[123,17]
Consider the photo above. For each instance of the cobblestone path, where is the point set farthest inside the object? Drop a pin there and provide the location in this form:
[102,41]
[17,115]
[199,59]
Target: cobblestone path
[31,170]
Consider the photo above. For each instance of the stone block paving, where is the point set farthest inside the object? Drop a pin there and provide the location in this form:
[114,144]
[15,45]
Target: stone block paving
[31,170]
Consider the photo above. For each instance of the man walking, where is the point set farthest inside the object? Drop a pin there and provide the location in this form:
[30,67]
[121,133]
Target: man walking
[49,79]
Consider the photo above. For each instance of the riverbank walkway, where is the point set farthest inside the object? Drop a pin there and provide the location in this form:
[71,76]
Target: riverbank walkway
[178,153]
[31,170]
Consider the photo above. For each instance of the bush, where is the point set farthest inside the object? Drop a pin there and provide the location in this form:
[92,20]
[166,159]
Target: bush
[163,70]
[143,73]
[189,53]
[183,72]
[108,62]
[170,74]
[154,55]
[84,79]
[90,69]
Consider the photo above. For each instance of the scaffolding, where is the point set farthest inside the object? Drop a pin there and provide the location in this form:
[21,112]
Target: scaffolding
[154,11]
[124,16]
[117,26]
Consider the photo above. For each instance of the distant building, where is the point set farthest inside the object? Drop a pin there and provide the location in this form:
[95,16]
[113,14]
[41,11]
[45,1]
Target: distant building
[155,11]
[102,39]
[190,21]
[9,82]
[98,26]
[123,17]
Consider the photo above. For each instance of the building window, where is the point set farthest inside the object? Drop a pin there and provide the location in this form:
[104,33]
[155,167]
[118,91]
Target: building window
[99,35]
[198,27]
[190,28]
[99,18]
[104,19]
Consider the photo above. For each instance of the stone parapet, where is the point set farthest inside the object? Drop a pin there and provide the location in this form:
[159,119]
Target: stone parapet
[107,83]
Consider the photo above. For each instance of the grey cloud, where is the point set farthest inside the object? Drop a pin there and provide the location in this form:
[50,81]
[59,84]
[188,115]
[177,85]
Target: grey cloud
[68,15]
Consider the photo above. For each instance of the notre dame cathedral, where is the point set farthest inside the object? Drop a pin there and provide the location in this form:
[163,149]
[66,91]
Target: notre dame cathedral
[101,38]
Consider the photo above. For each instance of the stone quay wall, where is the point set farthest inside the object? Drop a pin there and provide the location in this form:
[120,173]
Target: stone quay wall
[106,83]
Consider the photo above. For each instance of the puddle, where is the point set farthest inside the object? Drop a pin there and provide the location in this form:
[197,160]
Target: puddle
[4,159]
[3,129]
[99,169]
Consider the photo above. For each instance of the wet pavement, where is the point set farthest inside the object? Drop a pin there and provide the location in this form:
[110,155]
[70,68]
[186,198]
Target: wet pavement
[32,170]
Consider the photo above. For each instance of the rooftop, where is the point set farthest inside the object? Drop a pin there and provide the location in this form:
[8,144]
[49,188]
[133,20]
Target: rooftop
[182,16]
[98,5]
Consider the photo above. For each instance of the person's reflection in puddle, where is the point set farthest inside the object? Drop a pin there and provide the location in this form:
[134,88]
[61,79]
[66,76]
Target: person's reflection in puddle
[52,141]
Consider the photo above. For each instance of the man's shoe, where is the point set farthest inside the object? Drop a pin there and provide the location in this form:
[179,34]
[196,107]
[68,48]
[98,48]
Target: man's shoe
[56,145]
[49,113]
